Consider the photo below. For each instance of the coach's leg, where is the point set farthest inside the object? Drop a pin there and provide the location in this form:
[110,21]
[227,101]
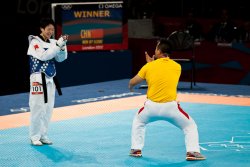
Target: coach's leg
[185,122]
[138,133]
[191,137]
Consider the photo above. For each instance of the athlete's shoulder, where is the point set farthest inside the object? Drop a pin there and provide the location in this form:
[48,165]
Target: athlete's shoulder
[33,37]
[52,40]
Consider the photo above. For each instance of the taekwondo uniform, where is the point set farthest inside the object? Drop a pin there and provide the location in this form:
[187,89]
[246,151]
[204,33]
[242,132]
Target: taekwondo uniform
[42,56]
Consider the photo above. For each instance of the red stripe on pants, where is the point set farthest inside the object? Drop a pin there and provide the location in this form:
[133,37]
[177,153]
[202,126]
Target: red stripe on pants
[140,110]
[182,111]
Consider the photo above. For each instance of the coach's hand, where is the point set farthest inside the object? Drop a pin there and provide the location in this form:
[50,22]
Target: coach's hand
[130,88]
[148,58]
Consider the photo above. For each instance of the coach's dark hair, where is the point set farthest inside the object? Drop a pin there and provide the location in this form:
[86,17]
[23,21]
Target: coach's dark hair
[46,21]
[164,46]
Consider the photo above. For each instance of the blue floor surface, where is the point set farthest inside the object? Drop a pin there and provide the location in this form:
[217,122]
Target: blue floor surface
[115,89]
[104,140]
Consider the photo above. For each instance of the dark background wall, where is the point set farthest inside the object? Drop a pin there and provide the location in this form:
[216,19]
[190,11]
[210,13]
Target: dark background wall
[82,67]
[22,19]
[202,8]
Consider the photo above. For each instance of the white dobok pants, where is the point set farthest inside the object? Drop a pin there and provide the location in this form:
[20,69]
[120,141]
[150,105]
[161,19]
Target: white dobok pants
[171,112]
[40,112]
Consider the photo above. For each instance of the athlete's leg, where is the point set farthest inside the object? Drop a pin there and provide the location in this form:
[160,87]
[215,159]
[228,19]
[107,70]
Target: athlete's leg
[37,107]
[49,109]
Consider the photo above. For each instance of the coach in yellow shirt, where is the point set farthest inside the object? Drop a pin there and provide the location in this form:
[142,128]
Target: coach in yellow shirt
[162,76]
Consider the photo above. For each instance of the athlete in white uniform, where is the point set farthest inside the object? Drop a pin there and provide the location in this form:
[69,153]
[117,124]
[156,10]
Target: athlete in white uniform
[162,77]
[43,52]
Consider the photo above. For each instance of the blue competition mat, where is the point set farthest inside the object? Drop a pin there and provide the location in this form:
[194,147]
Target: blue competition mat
[104,140]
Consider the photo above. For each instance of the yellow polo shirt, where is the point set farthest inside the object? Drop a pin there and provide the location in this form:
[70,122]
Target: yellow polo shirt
[162,77]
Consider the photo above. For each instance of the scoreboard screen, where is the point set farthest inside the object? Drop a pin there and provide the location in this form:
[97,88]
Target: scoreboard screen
[92,25]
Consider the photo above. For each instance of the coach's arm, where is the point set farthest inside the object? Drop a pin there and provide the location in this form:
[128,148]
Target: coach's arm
[134,81]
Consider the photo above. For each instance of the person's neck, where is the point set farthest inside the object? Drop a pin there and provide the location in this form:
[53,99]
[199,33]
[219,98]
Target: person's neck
[162,56]
[45,39]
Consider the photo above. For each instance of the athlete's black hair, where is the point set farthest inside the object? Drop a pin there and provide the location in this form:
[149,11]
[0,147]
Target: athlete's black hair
[44,22]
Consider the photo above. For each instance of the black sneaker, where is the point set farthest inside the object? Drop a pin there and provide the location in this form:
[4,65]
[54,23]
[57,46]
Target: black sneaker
[194,156]
[135,153]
